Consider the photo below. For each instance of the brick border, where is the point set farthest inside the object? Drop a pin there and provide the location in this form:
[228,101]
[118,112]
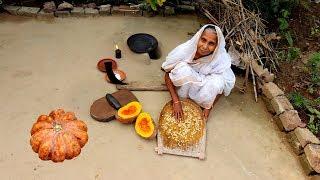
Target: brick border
[104,10]
[305,145]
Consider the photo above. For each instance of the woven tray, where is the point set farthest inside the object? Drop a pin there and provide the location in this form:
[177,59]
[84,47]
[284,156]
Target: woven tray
[197,149]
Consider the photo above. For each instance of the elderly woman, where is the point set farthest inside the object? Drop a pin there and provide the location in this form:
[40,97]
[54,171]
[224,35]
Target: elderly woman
[199,69]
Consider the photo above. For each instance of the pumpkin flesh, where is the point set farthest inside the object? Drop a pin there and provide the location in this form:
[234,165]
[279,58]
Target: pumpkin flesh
[129,112]
[145,126]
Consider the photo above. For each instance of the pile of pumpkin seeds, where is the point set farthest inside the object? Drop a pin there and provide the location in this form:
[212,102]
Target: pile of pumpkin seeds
[184,133]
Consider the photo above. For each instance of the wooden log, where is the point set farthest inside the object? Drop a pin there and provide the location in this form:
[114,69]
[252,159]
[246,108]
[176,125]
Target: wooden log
[144,86]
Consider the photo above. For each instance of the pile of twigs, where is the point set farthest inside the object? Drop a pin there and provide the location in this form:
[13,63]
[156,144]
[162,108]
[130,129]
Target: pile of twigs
[248,43]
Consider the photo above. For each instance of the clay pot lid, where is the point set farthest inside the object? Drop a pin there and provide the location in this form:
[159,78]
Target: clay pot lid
[120,75]
[101,66]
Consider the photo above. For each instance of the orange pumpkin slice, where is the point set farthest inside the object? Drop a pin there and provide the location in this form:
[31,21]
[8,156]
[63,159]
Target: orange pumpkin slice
[128,113]
[145,127]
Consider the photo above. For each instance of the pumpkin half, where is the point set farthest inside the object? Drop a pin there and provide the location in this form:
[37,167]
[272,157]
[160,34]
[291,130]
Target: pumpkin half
[145,127]
[58,136]
[129,113]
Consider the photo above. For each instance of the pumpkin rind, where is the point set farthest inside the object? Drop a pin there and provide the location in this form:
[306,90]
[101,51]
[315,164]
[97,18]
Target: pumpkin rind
[58,136]
[145,126]
[129,113]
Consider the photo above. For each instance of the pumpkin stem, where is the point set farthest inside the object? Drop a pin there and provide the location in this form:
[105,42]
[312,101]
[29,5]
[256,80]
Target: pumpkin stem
[57,127]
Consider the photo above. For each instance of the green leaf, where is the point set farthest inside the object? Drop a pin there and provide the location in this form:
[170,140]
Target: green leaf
[316,112]
[293,53]
[289,38]
[283,24]
[298,100]
[285,13]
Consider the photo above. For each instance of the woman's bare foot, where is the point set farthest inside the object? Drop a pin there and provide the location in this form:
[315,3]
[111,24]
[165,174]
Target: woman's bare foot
[206,113]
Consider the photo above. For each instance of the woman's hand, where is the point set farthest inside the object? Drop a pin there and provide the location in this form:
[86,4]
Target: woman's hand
[177,110]
[206,113]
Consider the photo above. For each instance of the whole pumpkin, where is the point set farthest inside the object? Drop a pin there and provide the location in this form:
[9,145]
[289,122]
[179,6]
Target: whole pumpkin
[58,136]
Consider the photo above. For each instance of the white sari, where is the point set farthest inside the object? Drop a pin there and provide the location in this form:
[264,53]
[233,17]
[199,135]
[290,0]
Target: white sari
[203,79]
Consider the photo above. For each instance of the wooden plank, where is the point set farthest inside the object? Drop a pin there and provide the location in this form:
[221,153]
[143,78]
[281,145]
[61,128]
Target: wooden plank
[197,151]
[144,86]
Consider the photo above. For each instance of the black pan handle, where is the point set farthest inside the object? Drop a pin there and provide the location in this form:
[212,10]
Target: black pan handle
[113,101]
[111,75]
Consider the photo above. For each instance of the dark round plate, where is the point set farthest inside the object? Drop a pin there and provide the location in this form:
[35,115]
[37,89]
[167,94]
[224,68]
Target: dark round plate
[141,42]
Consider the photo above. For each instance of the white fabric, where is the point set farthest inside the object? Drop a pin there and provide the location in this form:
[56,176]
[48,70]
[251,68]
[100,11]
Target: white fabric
[202,79]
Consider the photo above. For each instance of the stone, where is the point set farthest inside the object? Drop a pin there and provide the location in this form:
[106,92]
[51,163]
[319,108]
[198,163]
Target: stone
[133,13]
[49,7]
[116,10]
[306,165]
[186,8]
[105,9]
[65,6]
[305,136]
[91,5]
[28,11]
[77,12]
[271,90]
[295,143]
[278,122]
[168,10]
[12,9]
[312,152]
[45,15]
[290,120]
[267,102]
[126,10]
[62,13]
[281,104]
[301,137]
[91,12]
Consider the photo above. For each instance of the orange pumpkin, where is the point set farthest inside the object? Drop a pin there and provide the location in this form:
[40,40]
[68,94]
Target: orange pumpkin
[58,136]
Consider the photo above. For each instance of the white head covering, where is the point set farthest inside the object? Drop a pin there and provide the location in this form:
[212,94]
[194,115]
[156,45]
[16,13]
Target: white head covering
[216,63]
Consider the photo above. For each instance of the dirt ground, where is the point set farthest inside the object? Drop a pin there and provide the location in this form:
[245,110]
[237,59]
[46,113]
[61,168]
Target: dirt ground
[52,64]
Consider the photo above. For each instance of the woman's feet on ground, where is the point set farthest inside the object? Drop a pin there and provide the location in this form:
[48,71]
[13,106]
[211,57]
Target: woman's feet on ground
[206,113]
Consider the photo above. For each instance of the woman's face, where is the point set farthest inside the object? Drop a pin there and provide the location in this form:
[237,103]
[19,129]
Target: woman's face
[207,42]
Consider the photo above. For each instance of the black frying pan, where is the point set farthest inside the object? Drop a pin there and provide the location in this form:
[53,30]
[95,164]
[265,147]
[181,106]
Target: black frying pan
[142,43]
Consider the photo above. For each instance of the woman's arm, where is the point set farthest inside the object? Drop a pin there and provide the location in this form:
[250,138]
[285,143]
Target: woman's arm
[176,104]
[171,88]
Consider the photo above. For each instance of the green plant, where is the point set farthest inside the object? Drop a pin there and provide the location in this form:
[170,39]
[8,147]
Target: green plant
[293,53]
[314,120]
[310,107]
[155,3]
[314,67]
[298,100]
[281,55]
